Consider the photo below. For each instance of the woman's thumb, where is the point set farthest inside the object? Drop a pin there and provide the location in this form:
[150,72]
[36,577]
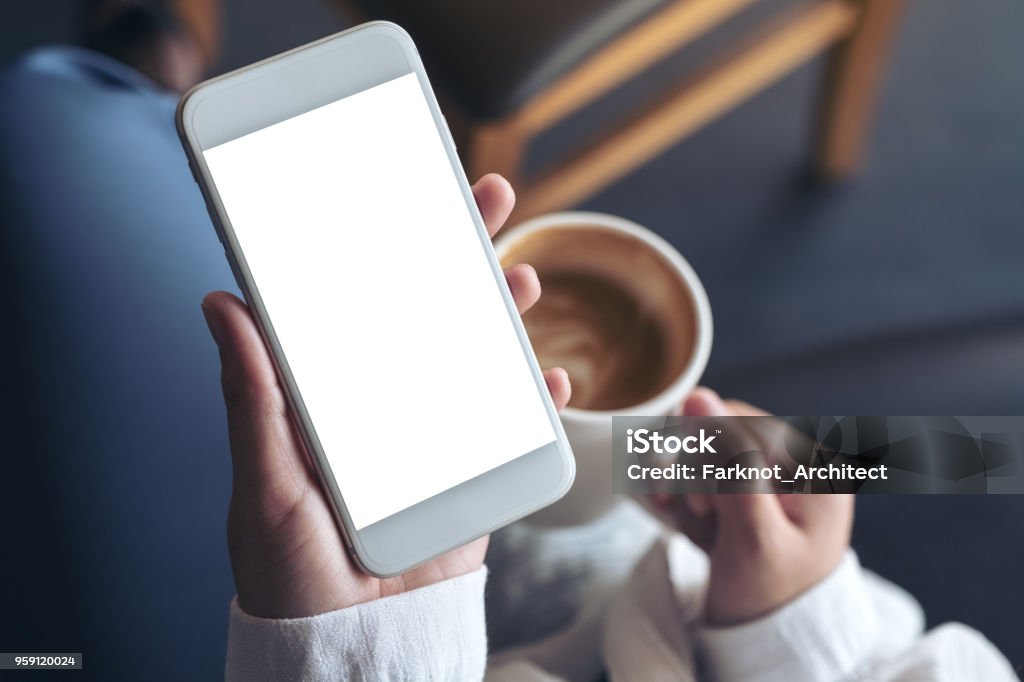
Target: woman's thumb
[263,446]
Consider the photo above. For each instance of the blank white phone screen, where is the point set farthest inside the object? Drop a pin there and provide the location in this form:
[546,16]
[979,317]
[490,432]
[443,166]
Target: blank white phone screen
[377,285]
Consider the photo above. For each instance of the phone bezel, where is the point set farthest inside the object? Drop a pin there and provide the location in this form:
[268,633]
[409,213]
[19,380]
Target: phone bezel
[290,84]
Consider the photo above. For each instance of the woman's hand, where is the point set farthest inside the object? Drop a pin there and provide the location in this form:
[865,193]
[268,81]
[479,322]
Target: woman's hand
[287,554]
[765,549]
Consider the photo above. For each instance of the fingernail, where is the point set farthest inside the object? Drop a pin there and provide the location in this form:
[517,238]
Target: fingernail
[213,322]
[704,402]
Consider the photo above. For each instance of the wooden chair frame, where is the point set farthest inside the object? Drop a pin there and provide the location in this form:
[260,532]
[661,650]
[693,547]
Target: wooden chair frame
[857,31]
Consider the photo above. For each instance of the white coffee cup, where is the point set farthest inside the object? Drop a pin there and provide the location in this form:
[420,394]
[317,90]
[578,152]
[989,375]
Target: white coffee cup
[590,431]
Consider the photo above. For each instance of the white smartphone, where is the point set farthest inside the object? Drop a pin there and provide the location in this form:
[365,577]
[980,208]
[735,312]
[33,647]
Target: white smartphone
[335,188]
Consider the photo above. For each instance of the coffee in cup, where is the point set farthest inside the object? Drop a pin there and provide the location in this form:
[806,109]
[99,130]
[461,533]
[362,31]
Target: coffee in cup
[614,313]
[626,316]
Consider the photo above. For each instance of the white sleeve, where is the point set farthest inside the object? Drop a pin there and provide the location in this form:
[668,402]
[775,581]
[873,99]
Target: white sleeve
[949,653]
[435,632]
[850,626]
[827,633]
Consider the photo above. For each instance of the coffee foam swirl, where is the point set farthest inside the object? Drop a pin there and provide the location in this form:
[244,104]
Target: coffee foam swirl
[612,348]
[613,313]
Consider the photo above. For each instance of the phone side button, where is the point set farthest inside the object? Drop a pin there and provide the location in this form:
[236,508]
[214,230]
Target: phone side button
[216,225]
[234,269]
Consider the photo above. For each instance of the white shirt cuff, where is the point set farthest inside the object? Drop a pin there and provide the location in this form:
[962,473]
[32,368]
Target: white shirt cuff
[435,632]
[827,633]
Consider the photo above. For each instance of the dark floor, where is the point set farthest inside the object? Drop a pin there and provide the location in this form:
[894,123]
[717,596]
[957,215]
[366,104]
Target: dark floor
[898,293]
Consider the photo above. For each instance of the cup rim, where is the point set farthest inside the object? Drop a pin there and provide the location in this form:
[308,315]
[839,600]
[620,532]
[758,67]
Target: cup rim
[687,379]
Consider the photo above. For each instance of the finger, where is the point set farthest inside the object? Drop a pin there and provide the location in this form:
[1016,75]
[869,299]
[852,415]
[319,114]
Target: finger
[694,516]
[267,459]
[747,515]
[760,435]
[751,519]
[703,402]
[812,511]
[557,380]
[524,285]
[246,371]
[742,409]
[495,198]
[700,526]
[677,512]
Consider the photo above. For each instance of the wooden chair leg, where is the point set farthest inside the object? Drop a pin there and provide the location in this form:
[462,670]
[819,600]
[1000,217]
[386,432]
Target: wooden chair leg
[852,79]
[749,67]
